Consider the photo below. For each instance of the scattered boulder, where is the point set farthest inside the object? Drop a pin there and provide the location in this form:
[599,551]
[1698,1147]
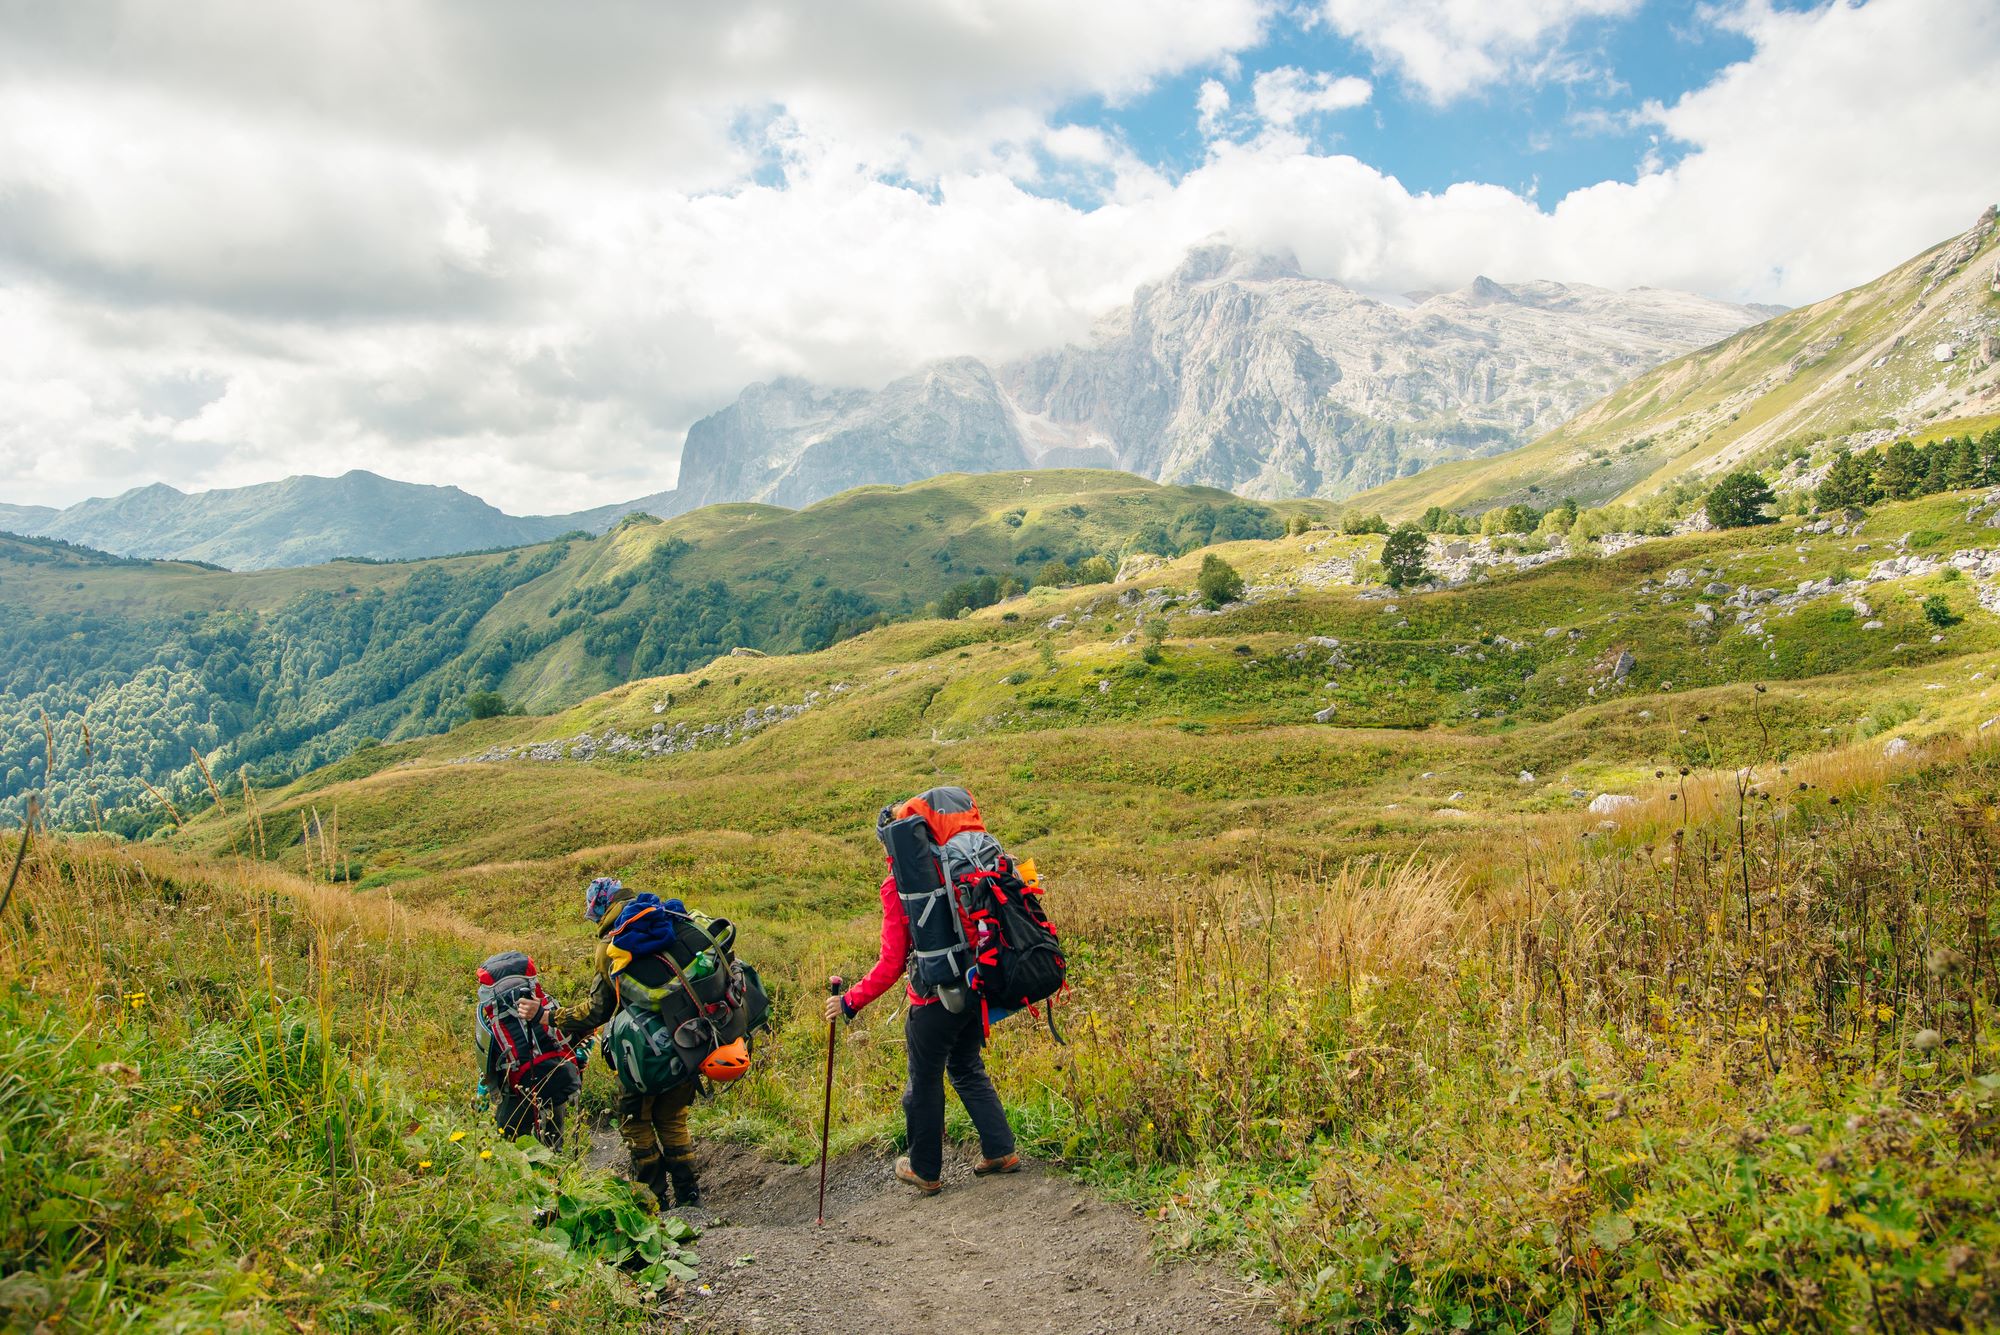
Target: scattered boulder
[1137,564]
[1526,777]
[1605,804]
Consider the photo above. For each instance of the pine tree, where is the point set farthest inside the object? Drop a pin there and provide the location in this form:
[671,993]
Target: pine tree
[1403,557]
[1965,469]
[1900,475]
[1739,500]
[1849,484]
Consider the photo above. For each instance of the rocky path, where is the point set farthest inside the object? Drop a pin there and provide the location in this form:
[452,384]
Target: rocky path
[1024,1253]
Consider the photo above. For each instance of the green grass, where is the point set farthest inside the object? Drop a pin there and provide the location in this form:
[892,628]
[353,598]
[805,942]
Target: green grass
[235,1102]
[1417,1040]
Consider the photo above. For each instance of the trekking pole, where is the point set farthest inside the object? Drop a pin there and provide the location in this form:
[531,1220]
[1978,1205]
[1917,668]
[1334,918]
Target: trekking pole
[826,1113]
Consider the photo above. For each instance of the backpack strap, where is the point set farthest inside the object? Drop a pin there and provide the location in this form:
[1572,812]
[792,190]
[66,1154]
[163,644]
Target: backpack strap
[680,974]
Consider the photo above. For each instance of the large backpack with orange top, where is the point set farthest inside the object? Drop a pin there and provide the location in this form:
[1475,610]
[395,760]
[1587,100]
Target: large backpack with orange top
[978,931]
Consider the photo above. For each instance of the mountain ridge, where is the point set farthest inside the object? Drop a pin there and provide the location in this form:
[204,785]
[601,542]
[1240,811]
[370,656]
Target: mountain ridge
[1908,351]
[1235,370]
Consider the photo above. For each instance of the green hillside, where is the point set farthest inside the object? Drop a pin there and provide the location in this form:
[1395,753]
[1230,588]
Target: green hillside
[282,670]
[1858,367]
[1597,941]
[1380,1007]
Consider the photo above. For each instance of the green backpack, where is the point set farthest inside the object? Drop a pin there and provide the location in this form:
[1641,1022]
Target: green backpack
[640,1046]
[661,1035]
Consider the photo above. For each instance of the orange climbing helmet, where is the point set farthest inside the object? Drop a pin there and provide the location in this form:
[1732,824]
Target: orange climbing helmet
[727,1062]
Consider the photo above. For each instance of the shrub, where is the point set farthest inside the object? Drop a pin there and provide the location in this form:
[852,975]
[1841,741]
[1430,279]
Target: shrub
[1516,518]
[1096,570]
[1359,523]
[486,704]
[1937,611]
[1218,581]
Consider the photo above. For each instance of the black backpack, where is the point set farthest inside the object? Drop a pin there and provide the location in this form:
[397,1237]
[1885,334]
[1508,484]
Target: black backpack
[977,926]
[1020,959]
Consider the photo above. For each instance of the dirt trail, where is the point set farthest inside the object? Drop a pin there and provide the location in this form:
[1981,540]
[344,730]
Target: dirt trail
[1027,1252]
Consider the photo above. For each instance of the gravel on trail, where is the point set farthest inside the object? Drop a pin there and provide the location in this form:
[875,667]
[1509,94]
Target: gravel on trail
[1023,1252]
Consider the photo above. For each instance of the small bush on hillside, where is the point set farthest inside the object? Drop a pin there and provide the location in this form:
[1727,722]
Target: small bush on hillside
[1356,523]
[1299,524]
[1218,581]
[486,704]
[974,594]
[1559,518]
[1516,518]
[1096,570]
[1938,612]
[1739,500]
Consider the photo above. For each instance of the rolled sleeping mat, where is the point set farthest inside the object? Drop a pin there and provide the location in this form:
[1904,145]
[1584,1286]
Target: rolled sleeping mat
[940,954]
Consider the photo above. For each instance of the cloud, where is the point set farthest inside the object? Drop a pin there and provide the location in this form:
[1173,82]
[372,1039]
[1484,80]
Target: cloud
[1449,48]
[1211,104]
[1285,96]
[440,269]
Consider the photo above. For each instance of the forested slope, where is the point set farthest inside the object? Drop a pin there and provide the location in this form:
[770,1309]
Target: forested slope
[140,666]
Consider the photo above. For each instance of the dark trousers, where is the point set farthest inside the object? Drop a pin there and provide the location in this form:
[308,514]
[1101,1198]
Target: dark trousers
[655,1126]
[944,1044]
[539,1105]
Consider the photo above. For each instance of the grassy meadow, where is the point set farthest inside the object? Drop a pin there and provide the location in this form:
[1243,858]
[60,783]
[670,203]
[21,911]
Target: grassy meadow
[1376,1008]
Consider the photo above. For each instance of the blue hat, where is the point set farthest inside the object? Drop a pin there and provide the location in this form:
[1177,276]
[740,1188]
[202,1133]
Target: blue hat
[597,897]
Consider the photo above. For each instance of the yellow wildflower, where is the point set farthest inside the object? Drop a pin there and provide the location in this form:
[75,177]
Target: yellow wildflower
[457,1136]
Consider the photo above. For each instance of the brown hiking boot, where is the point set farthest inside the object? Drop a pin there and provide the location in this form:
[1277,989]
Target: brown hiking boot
[1006,1163]
[904,1173]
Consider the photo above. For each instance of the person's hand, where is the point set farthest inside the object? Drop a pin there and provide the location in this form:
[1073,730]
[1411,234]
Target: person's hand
[527,1008]
[833,1009]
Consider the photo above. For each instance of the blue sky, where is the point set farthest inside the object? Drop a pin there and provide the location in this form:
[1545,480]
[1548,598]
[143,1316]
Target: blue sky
[1542,135]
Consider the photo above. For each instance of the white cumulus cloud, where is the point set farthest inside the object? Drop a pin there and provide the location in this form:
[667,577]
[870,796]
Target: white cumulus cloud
[1287,95]
[1451,47]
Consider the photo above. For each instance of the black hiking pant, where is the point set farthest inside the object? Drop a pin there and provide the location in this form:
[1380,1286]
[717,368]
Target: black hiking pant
[539,1106]
[942,1044]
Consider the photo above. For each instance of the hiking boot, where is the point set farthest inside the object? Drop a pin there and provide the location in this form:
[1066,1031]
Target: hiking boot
[905,1173]
[1006,1163]
[654,1177]
[687,1190]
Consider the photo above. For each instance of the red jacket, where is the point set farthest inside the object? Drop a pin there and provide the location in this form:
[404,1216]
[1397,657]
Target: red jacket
[895,953]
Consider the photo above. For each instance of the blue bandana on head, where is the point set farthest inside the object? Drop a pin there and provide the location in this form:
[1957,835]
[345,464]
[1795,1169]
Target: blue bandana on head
[645,924]
[597,897]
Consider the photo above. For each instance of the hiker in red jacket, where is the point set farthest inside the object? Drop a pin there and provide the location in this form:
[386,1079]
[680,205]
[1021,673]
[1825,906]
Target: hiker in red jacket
[940,1043]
